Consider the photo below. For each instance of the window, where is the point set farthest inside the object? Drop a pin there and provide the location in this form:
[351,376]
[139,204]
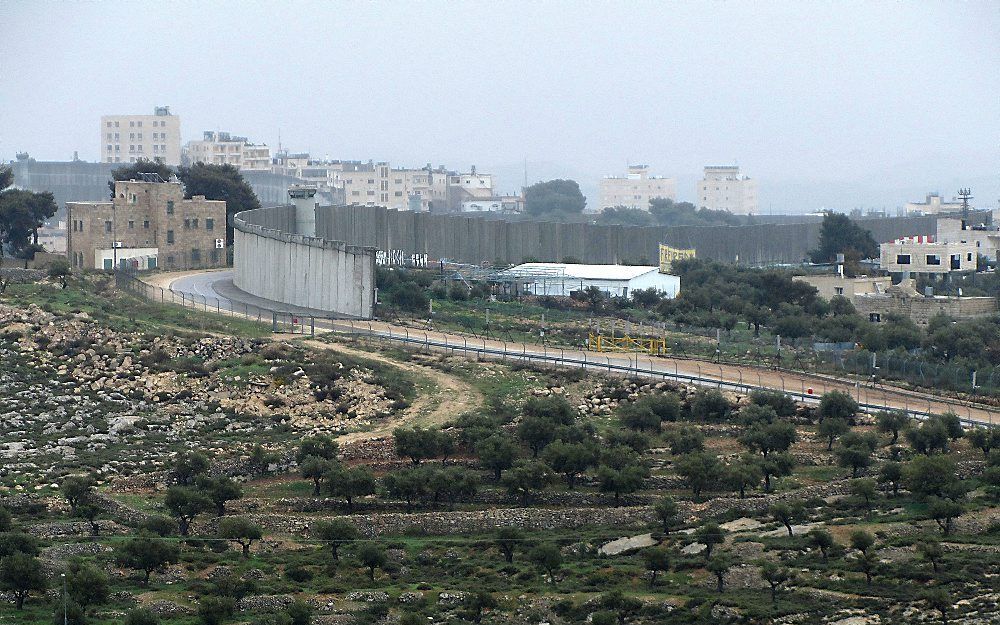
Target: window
[118,148]
[398,193]
[215,256]
[969,256]
[116,125]
[194,223]
[874,317]
[145,225]
[109,147]
[933,259]
[187,224]
[209,224]
[109,124]
[839,290]
[355,193]
[131,148]
[131,124]
[170,207]
[131,136]
[170,237]
[139,124]
[170,260]
[956,261]
[131,224]
[195,255]
[902,259]
[371,192]
[107,226]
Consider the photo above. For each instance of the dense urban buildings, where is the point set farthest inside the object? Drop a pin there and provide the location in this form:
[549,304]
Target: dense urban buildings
[128,138]
[725,188]
[635,189]
[222,148]
[149,224]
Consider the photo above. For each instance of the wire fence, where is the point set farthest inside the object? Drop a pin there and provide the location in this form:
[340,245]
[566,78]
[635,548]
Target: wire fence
[801,387]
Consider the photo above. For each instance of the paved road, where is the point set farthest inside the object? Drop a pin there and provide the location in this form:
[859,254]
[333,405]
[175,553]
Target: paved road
[217,285]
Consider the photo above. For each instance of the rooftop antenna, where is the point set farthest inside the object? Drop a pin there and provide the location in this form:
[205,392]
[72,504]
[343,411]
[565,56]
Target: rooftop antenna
[965,195]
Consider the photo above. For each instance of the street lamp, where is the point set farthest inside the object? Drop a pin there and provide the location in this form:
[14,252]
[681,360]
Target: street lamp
[65,619]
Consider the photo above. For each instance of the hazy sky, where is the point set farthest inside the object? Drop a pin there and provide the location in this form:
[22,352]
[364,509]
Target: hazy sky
[837,104]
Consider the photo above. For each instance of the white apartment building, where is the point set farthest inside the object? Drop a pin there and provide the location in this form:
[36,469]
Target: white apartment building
[222,148]
[129,138]
[636,189]
[933,204]
[724,188]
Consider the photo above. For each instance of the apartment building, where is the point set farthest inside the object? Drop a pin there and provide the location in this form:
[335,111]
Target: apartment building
[725,188]
[147,224]
[222,148]
[933,204]
[129,138]
[636,189]
[923,255]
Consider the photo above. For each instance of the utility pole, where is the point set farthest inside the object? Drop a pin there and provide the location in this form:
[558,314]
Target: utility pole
[965,195]
[65,619]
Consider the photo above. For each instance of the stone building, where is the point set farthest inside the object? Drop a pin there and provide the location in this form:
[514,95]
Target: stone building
[223,148]
[725,188]
[830,286]
[923,255]
[129,138]
[636,189]
[933,205]
[148,224]
[903,299]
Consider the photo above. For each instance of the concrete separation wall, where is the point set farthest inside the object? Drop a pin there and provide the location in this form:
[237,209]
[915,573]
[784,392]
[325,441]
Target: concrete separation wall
[272,262]
[475,239]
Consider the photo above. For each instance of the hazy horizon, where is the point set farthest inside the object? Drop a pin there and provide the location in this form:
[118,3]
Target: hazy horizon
[837,105]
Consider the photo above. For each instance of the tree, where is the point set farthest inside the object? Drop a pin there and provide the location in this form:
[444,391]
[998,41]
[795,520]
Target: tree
[868,563]
[865,489]
[548,558]
[931,551]
[570,459]
[686,440]
[701,470]
[453,483]
[855,451]
[832,427]
[159,525]
[220,490]
[783,405]
[621,472]
[477,602]
[892,422]
[929,476]
[657,559]
[335,533]
[743,474]
[6,519]
[18,542]
[666,406]
[710,534]
[21,573]
[931,436]
[417,443]
[984,439]
[497,453]
[822,540]
[410,485]
[314,468]
[346,482]
[22,213]
[765,437]
[86,584]
[188,466]
[219,182]
[259,461]
[665,510]
[77,489]
[299,612]
[536,432]
[939,599]
[507,540]
[372,557]
[241,531]
[756,316]
[146,553]
[776,465]
[837,405]
[719,566]
[554,196]
[839,235]
[526,477]
[60,270]
[215,610]
[321,446]
[710,405]
[786,514]
[891,474]
[132,171]
[185,503]
[775,576]
[141,616]
[943,511]
[638,416]
[952,424]
[862,540]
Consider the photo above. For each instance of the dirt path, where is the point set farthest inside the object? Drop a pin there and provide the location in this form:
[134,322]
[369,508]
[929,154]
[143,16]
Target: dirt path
[439,399]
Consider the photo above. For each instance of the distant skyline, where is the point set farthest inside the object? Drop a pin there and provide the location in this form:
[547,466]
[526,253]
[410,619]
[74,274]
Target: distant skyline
[836,105]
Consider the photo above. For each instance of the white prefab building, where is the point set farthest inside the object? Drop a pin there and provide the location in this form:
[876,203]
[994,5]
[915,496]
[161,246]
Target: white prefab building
[561,279]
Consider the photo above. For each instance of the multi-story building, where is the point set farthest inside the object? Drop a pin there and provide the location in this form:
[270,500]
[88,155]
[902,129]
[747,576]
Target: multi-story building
[636,189]
[129,138]
[831,285]
[933,205]
[148,223]
[724,188]
[222,148]
[923,255]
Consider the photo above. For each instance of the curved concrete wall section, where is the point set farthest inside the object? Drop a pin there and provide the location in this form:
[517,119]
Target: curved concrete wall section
[477,239]
[322,274]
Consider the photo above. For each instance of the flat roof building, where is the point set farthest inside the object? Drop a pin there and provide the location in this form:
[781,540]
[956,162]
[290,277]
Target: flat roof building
[723,187]
[223,148]
[829,286]
[149,224]
[917,255]
[562,279]
[636,189]
[933,204]
[129,138]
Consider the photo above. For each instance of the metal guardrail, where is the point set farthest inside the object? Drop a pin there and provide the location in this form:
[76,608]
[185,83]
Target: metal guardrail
[284,321]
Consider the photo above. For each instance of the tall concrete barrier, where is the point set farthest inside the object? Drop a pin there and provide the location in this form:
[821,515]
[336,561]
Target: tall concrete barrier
[476,239]
[319,273]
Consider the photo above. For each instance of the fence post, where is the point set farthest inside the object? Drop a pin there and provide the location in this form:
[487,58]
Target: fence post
[274,321]
[312,326]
